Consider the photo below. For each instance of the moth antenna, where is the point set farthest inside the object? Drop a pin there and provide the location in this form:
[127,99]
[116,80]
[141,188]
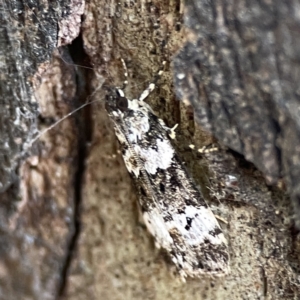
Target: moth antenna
[64,118]
[152,85]
[125,82]
[59,121]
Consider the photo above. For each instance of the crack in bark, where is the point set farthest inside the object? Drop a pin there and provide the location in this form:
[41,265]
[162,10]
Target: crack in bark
[84,129]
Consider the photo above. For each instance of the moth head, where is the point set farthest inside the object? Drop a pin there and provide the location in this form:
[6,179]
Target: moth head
[116,101]
[121,101]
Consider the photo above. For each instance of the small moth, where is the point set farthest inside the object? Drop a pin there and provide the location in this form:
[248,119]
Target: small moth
[173,208]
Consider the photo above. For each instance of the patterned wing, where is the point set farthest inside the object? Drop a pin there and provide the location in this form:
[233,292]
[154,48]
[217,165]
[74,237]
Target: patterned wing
[174,210]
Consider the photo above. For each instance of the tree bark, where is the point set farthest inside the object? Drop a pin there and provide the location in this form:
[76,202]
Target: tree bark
[70,226]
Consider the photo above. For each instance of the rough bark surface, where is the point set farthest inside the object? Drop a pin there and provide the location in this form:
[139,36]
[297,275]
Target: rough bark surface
[70,226]
[35,211]
[238,68]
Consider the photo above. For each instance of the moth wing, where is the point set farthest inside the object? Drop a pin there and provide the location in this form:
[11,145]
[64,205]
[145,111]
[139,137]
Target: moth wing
[197,247]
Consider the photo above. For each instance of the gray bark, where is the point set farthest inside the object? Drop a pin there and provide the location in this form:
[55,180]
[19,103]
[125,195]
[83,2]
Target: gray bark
[70,225]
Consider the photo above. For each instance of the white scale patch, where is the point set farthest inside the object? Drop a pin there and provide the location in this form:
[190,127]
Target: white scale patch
[161,157]
[202,223]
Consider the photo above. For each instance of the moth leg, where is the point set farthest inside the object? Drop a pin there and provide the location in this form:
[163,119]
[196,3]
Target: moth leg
[209,149]
[206,149]
[152,85]
[172,133]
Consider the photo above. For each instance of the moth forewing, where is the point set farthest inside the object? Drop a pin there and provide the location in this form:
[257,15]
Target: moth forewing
[173,208]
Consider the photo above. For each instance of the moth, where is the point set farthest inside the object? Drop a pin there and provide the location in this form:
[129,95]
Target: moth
[173,208]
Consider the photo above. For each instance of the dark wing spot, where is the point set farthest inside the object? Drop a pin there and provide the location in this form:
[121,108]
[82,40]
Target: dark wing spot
[124,148]
[189,223]
[200,265]
[162,187]
[168,218]
[180,211]
[174,181]
[188,202]
[215,232]
[143,192]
